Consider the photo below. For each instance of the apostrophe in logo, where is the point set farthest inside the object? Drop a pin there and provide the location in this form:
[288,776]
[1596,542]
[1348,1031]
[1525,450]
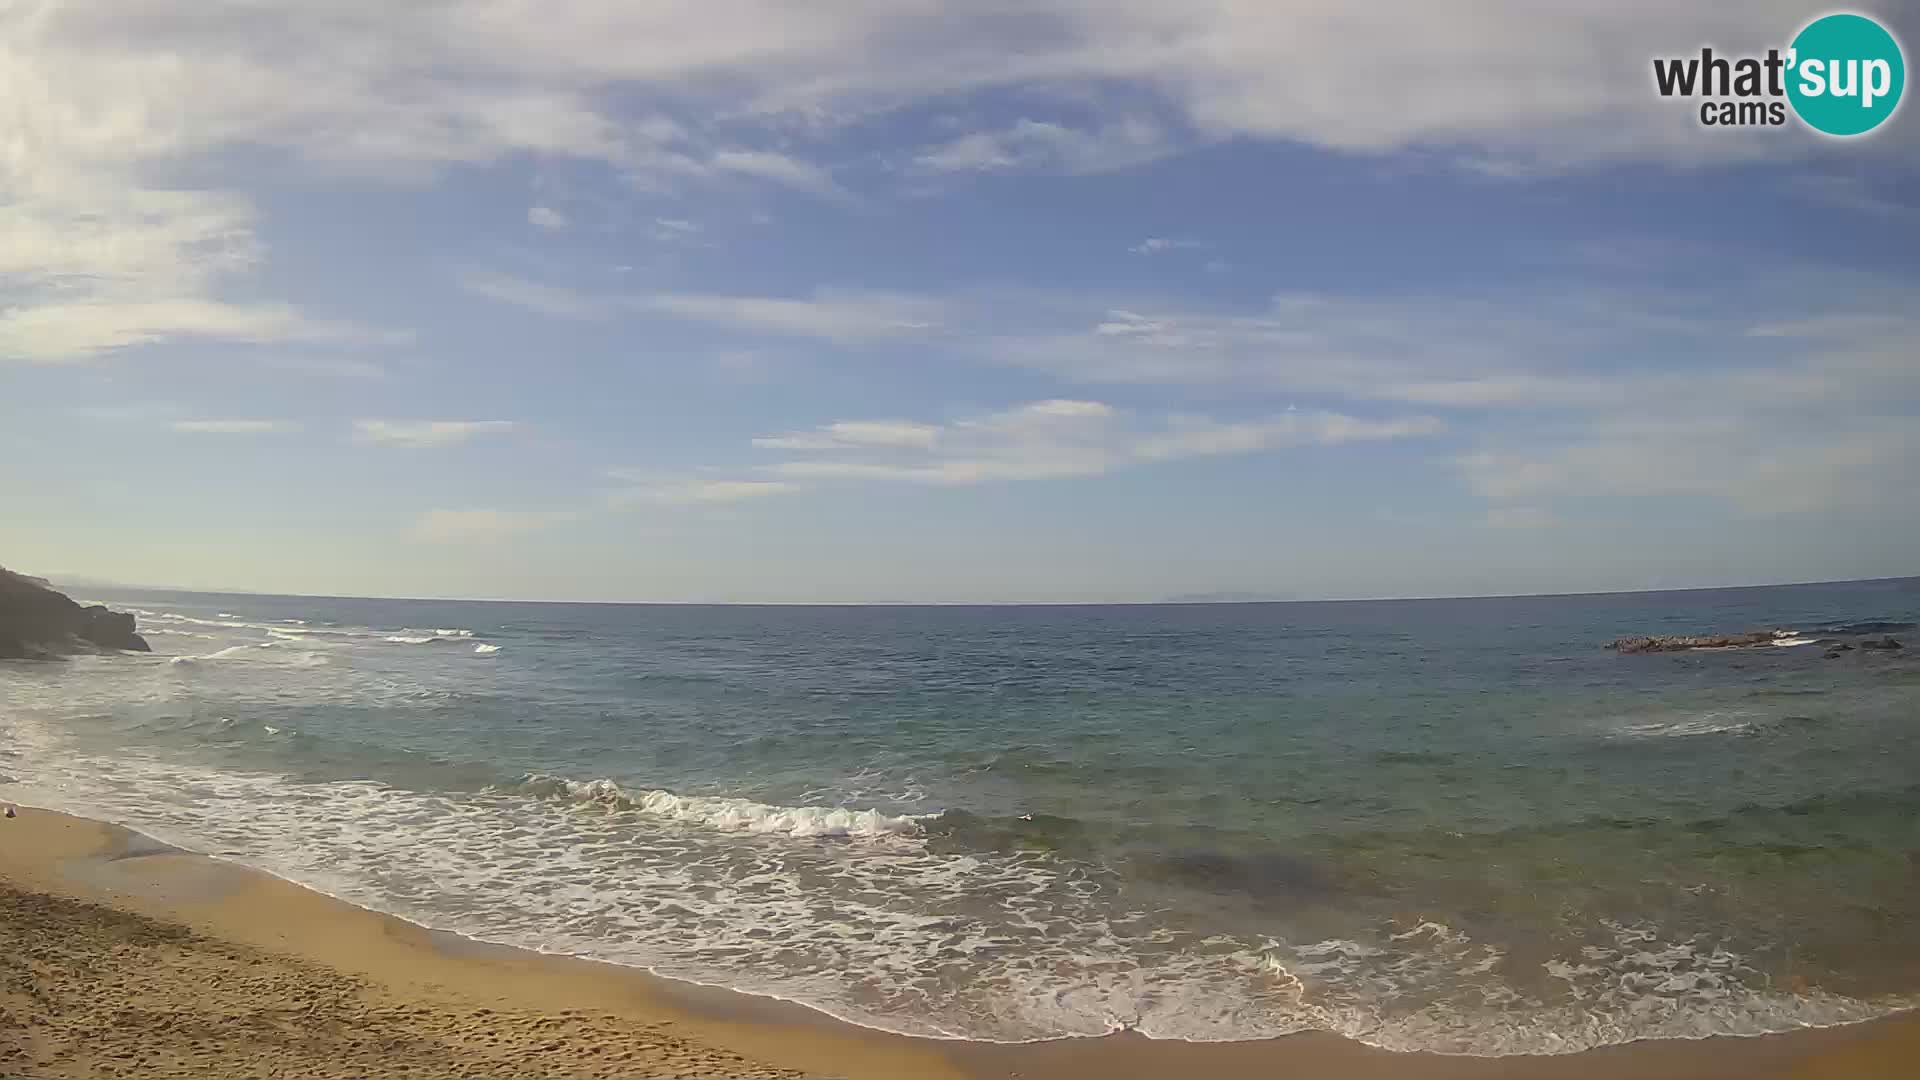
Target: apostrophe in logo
[1847,74]
[1842,74]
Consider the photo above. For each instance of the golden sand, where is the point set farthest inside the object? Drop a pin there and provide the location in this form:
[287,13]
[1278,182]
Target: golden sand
[122,957]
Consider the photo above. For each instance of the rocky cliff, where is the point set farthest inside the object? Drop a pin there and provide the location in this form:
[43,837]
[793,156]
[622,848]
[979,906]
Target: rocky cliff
[37,623]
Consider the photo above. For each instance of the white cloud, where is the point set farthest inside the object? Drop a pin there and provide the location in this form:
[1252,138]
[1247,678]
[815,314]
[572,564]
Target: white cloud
[780,169]
[669,487]
[1787,396]
[1756,467]
[90,269]
[546,217]
[1055,438]
[58,332]
[676,231]
[1196,438]
[467,526]
[1155,245]
[1033,145]
[846,316]
[114,104]
[425,434]
[856,434]
[234,427]
[396,89]
[685,490]
[535,296]
[843,317]
[1570,349]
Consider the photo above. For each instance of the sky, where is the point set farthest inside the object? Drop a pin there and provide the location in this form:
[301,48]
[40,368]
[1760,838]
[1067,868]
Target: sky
[942,301]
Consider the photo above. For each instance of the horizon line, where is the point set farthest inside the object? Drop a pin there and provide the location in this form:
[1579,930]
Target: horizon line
[1164,602]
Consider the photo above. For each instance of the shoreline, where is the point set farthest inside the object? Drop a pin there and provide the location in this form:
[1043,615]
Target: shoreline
[438,988]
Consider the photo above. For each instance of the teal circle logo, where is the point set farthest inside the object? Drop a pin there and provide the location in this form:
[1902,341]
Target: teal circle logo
[1846,74]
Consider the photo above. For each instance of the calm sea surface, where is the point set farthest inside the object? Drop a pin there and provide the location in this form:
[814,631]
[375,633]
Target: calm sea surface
[1459,825]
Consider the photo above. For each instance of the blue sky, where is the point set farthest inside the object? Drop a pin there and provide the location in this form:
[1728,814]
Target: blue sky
[1051,301]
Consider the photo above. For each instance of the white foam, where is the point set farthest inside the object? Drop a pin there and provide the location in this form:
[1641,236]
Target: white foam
[1689,725]
[736,815]
[989,946]
[256,652]
[403,639]
[1793,640]
[484,649]
[282,629]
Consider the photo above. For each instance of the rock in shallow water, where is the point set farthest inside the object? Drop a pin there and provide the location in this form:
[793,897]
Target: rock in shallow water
[1683,642]
[37,623]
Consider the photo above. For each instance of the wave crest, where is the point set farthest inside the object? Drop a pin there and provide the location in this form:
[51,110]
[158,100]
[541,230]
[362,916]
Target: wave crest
[727,814]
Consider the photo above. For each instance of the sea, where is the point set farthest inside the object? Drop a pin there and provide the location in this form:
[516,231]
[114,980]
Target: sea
[1462,826]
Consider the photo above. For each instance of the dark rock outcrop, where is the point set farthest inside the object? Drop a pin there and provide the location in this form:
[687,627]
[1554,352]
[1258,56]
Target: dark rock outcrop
[1886,643]
[1681,643]
[37,623]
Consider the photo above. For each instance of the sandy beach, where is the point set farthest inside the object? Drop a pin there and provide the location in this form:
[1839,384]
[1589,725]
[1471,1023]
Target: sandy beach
[125,957]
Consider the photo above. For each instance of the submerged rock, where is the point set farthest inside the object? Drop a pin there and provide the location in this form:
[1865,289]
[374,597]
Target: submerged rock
[1886,643]
[1681,642]
[37,623]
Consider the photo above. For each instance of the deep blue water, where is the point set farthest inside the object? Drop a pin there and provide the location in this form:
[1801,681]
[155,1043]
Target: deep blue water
[1452,824]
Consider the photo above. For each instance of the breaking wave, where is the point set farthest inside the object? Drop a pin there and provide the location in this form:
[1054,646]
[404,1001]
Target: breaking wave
[727,814]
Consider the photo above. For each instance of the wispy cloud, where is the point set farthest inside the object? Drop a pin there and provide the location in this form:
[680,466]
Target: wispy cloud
[467,526]
[1056,438]
[641,486]
[1720,458]
[425,434]
[1156,245]
[102,256]
[1035,145]
[840,316]
[553,300]
[856,435]
[92,269]
[780,169]
[234,427]
[677,231]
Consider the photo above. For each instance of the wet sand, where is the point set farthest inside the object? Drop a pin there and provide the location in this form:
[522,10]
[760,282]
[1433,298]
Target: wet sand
[120,956]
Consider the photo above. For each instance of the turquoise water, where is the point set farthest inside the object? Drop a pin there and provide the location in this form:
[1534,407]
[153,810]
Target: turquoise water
[1459,825]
